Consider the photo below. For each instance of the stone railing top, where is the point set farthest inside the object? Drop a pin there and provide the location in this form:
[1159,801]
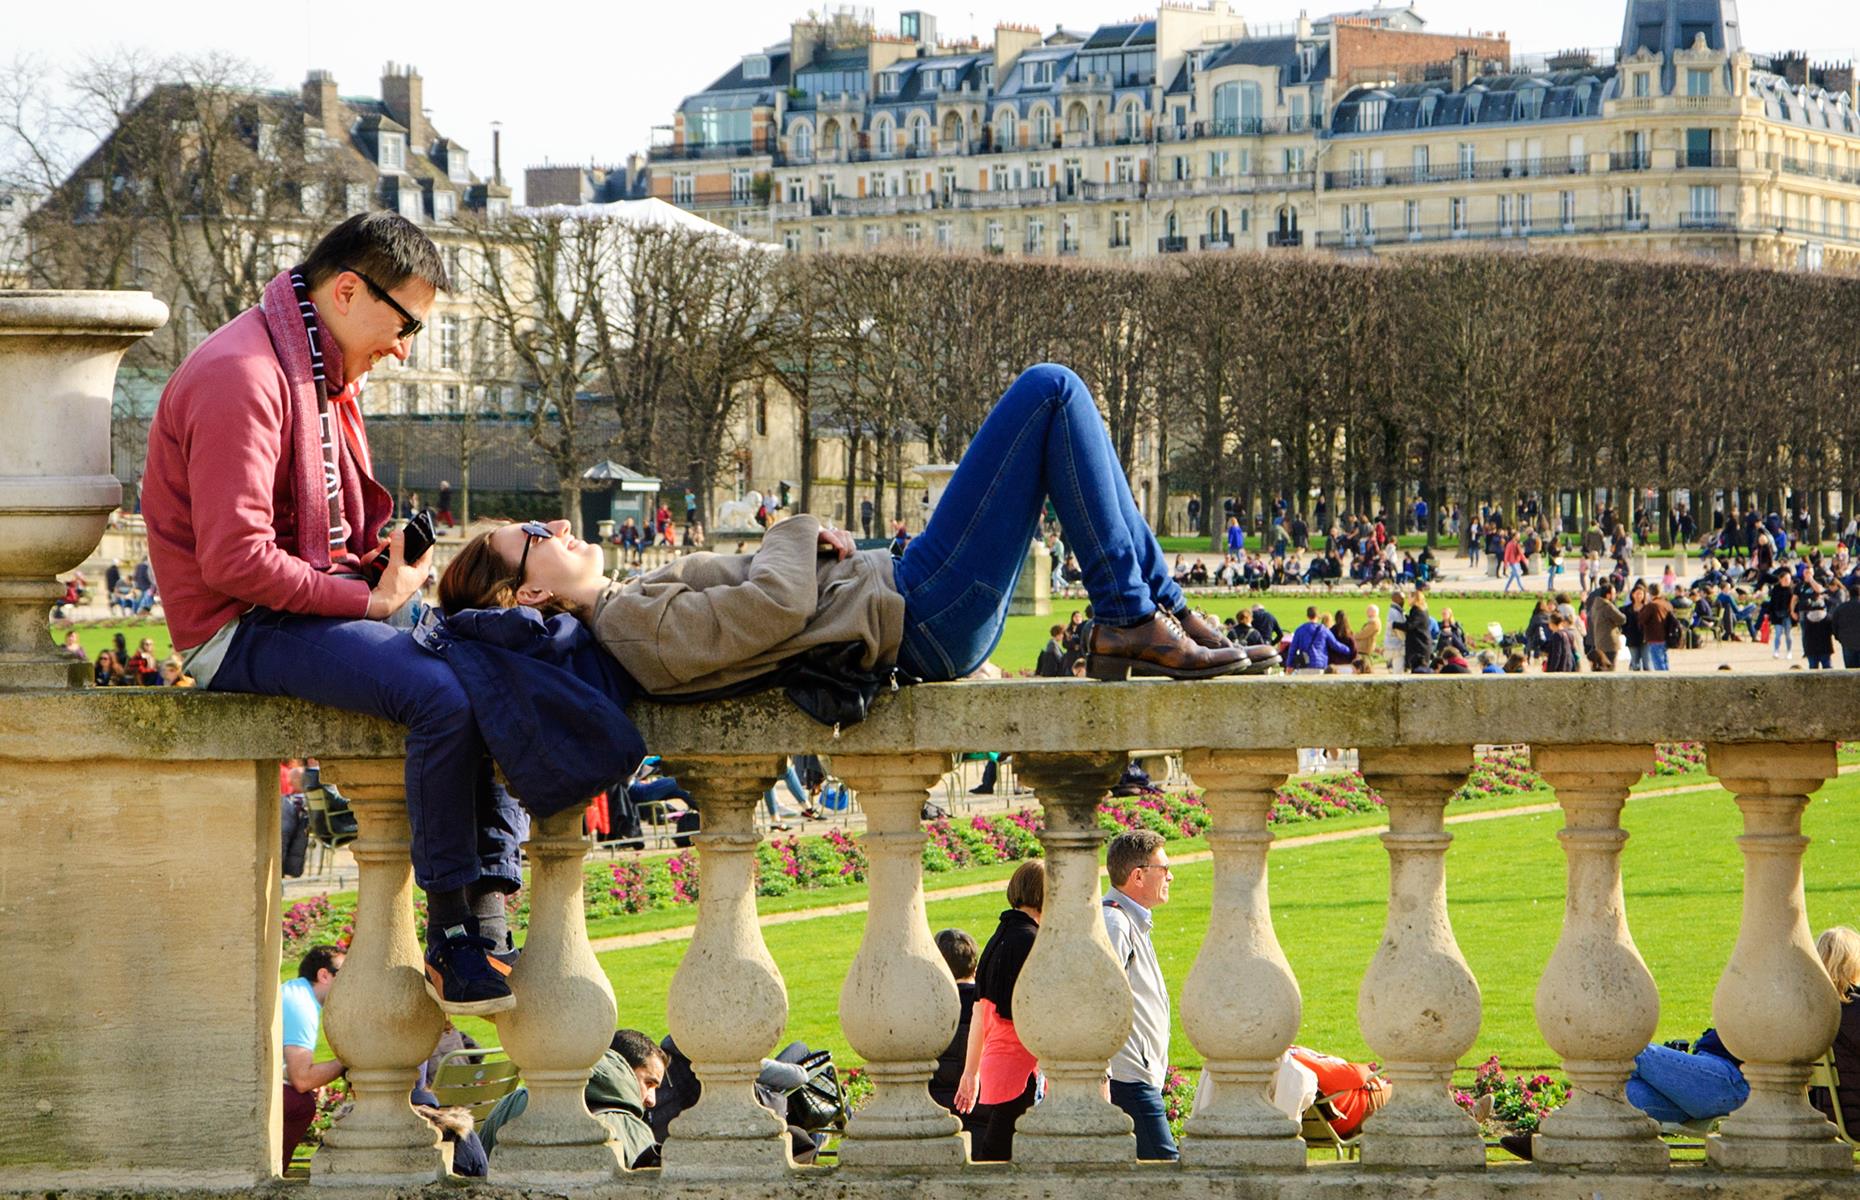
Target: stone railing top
[1057,716]
[28,312]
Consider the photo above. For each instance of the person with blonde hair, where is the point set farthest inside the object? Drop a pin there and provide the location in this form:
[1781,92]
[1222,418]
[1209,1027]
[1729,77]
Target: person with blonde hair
[1840,954]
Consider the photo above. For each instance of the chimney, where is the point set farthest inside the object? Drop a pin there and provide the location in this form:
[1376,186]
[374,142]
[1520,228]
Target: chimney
[1792,66]
[321,102]
[497,152]
[402,93]
[803,37]
[1838,79]
[1011,41]
[1465,68]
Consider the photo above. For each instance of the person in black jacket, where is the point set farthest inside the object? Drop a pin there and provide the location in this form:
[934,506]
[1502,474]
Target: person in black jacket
[959,954]
[1000,1077]
[1846,622]
[1417,635]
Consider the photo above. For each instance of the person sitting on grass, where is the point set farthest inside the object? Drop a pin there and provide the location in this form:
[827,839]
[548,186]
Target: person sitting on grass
[709,622]
[1675,1087]
[622,1089]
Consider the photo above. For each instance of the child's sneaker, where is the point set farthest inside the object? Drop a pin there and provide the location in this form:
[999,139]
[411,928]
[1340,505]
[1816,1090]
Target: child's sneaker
[461,976]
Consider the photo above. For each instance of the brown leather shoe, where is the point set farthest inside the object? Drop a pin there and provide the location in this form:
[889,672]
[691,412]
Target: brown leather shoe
[1260,659]
[1207,634]
[1159,646]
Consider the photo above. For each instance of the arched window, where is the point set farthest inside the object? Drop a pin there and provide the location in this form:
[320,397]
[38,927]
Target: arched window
[1172,226]
[1133,122]
[1244,223]
[1217,225]
[881,136]
[803,138]
[1236,108]
[830,136]
[952,129]
[1043,125]
[1078,119]
[920,132]
[1006,134]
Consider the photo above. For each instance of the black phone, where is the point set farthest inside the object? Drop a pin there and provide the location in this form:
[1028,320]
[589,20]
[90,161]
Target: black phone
[420,536]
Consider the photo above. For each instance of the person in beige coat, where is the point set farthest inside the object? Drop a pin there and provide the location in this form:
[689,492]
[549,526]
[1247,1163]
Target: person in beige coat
[1367,637]
[711,621]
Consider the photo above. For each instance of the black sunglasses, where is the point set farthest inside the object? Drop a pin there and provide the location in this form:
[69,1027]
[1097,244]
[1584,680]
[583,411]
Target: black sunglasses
[412,325]
[532,530]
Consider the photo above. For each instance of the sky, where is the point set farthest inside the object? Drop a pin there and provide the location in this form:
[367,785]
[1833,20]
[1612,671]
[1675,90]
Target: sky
[579,82]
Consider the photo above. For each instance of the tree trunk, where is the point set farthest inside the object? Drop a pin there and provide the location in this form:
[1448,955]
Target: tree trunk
[569,485]
[852,482]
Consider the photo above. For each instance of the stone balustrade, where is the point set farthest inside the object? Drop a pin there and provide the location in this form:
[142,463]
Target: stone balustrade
[140,909]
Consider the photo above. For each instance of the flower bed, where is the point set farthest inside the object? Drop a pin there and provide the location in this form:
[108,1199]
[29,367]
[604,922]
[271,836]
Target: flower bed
[1677,758]
[1519,1103]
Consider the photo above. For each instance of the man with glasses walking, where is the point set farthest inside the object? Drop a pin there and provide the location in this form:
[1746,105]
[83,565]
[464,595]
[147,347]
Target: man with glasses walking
[1138,863]
[264,525]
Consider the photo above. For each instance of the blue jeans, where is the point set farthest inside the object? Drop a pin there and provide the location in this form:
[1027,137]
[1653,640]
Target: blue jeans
[1044,438]
[1781,637]
[466,827]
[1671,1086]
[1820,662]
[1144,1104]
[1514,573]
[790,779]
[1656,657]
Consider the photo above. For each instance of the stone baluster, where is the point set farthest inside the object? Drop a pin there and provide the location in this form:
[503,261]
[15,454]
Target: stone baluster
[563,1022]
[728,1004]
[379,1020]
[1774,1006]
[1419,1003]
[1072,1006]
[1596,1003]
[1241,1005]
[898,1006]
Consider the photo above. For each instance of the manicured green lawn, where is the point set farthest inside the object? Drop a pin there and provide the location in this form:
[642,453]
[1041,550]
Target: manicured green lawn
[1505,884]
[97,638]
[1199,544]
[1024,636]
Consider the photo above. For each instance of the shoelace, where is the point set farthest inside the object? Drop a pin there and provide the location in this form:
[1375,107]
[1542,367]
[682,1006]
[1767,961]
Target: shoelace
[469,966]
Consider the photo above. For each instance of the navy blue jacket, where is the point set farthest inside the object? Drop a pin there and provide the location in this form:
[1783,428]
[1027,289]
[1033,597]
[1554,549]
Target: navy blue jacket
[550,703]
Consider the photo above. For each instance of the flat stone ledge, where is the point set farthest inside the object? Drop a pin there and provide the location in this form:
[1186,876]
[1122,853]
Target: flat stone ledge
[1271,712]
[1159,1181]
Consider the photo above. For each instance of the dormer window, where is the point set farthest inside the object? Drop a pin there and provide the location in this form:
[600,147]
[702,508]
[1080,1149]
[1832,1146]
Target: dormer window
[393,152]
[1530,103]
[445,204]
[1643,84]
[1369,115]
[888,83]
[1043,72]
[755,66]
[410,205]
[457,168]
[949,78]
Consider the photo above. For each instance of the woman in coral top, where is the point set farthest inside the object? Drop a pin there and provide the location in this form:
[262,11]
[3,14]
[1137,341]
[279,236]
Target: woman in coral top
[1000,1077]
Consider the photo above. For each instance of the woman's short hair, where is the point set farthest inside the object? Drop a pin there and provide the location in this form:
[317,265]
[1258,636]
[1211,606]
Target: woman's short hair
[1840,954]
[1027,886]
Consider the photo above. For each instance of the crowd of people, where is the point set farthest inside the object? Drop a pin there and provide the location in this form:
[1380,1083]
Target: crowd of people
[115,666]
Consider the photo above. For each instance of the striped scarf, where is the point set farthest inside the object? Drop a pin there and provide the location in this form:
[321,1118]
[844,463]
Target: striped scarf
[327,431]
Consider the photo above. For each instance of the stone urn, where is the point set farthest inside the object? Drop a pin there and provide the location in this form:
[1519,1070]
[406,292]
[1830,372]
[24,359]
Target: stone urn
[58,357]
[936,477]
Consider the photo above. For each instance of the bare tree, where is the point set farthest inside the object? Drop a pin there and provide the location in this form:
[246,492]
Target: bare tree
[542,280]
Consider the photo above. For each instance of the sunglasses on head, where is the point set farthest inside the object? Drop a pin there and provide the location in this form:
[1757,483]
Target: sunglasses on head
[411,324]
[531,531]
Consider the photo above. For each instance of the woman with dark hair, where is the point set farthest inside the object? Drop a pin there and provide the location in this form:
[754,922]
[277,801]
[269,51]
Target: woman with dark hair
[1000,1076]
[709,623]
